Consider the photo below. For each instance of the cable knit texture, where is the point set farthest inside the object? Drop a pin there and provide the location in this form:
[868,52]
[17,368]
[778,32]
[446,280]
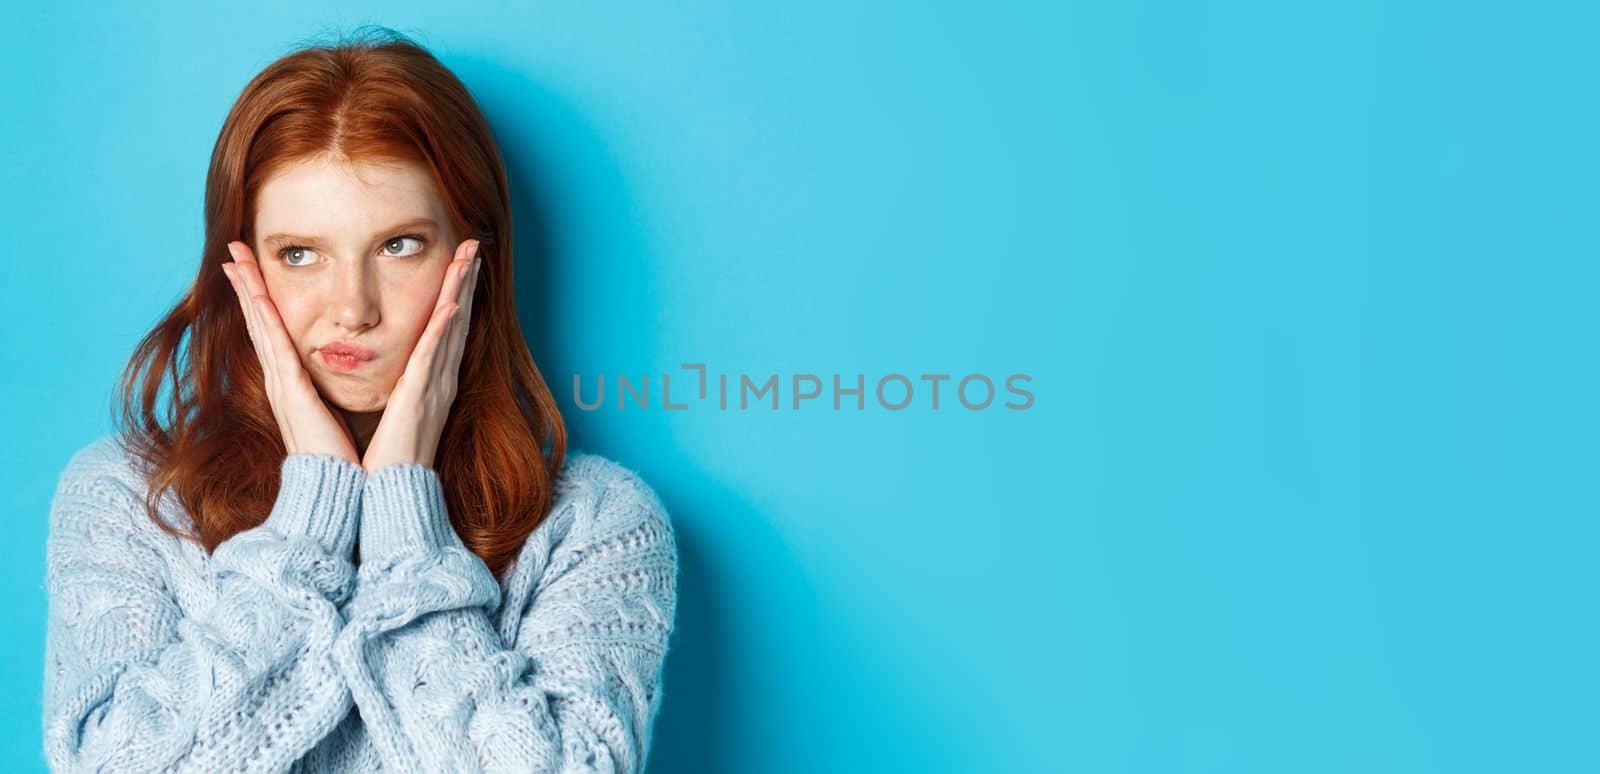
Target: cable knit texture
[277,653]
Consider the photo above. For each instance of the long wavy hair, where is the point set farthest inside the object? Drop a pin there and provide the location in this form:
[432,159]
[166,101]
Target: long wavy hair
[212,439]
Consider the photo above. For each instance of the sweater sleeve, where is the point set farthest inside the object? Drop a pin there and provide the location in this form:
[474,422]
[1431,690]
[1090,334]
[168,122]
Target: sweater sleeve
[244,681]
[574,682]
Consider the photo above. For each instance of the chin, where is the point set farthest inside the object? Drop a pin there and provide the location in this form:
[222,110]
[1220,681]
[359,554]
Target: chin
[355,401]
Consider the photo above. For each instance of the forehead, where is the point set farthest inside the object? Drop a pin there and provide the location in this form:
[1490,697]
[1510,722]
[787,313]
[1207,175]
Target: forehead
[323,195]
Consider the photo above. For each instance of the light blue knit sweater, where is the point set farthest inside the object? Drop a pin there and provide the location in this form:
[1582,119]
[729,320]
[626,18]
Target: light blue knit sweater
[276,653]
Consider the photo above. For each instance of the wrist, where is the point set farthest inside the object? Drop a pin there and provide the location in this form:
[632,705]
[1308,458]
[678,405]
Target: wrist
[319,495]
[403,510]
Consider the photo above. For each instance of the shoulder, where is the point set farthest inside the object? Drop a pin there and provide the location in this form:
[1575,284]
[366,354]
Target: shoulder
[606,495]
[101,479]
[99,468]
[605,549]
[602,518]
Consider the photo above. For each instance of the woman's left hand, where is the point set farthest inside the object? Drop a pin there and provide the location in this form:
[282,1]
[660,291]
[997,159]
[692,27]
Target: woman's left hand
[414,418]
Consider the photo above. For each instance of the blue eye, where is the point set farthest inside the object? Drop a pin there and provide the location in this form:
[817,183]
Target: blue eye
[287,250]
[400,240]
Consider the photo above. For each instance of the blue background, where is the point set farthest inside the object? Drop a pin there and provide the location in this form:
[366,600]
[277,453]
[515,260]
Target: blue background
[1308,480]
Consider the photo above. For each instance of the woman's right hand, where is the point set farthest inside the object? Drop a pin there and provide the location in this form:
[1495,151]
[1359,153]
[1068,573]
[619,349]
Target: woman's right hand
[305,421]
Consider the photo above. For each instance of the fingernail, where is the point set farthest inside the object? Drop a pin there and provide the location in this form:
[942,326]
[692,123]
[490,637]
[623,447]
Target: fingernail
[475,245]
[231,253]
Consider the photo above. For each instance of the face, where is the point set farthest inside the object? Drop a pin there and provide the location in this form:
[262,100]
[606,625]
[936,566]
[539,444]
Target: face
[353,252]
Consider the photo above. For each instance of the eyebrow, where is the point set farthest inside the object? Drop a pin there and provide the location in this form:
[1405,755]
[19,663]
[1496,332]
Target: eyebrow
[413,223]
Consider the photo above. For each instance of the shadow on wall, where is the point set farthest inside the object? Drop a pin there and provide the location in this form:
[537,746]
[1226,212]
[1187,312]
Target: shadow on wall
[804,690]
[531,124]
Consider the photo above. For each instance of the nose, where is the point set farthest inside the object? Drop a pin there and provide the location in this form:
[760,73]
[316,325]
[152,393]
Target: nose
[355,296]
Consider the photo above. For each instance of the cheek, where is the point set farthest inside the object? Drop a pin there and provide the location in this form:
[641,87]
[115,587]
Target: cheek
[413,306]
[298,316]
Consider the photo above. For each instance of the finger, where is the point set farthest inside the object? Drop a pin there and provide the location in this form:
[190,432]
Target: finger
[245,283]
[279,345]
[242,285]
[464,293]
[450,289]
[419,368]
[245,311]
[458,285]
[283,351]
[231,270]
[461,325]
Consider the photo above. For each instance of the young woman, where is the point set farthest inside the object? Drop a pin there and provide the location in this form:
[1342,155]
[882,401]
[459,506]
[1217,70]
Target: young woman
[351,538]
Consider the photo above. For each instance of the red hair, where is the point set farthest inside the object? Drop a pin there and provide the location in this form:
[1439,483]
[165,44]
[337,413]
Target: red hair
[217,446]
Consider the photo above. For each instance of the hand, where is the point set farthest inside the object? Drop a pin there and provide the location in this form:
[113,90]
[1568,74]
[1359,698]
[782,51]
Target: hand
[304,419]
[414,418]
